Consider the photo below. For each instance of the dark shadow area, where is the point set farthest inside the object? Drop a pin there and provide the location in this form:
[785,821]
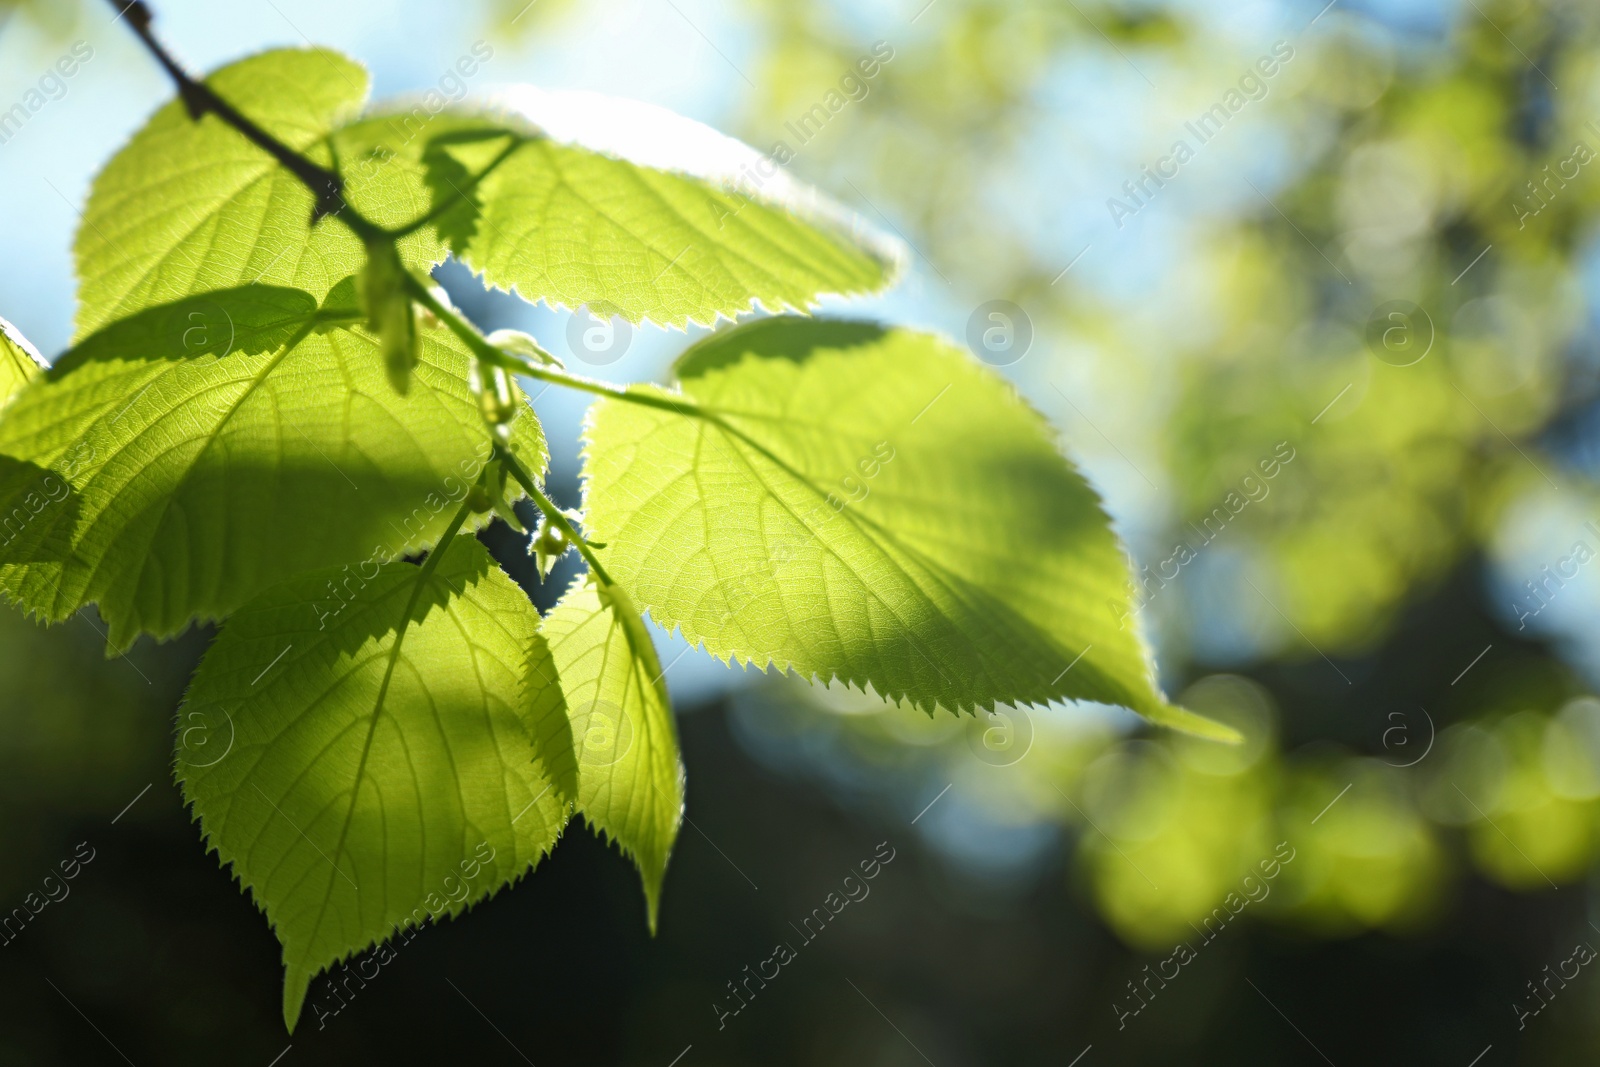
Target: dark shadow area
[156,946]
[251,319]
[38,507]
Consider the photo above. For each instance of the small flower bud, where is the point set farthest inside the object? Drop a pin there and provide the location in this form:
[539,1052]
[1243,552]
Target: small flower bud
[549,544]
[497,396]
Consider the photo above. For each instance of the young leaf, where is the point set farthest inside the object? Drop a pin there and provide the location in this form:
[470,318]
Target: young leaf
[581,199]
[20,362]
[217,445]
[188,207]
[603,677]
[368,771]
[872,505]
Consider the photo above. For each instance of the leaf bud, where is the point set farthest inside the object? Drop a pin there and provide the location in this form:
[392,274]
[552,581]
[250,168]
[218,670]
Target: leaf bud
[497,396]
[389,311]
[549,544]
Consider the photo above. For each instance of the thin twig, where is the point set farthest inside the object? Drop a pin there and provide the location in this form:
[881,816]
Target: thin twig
[552,513]
[521,364]
[328,187]
[200,100]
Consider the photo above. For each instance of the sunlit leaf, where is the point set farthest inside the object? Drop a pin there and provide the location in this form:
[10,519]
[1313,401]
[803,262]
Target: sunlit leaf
[222,443]
[377,772]
[581,199]
[607,683]
[20,362]
[875,506]
[188,207]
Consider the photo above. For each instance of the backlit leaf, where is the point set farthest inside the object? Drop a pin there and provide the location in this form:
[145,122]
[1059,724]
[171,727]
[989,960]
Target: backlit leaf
[871,505]
[581,199]
[367,771]
[189,207]
[20,362]
[217,445]
[607,683]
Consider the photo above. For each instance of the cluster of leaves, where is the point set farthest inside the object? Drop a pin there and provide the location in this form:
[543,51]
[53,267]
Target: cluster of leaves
[270,420]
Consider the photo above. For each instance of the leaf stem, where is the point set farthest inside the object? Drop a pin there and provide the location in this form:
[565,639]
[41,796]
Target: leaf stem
[463,196]
[200,100]
[523,365]
[449,535]
[554,514]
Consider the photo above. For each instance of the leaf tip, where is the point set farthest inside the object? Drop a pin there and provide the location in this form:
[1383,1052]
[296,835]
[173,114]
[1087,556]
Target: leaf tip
[296,981]
[653,878]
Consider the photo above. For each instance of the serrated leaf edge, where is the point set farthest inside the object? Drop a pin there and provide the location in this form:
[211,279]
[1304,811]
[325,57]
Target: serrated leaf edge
[1161,713]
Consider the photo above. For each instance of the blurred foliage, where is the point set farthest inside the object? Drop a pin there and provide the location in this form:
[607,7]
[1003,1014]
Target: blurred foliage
[526,17]
[1392,163]
[1167,826]
[1405,155]
[56,17]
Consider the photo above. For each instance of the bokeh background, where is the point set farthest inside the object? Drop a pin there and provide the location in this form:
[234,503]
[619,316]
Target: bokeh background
[1385,266]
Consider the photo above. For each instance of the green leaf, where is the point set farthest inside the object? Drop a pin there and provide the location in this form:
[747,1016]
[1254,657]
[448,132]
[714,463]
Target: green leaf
[607,683]
[659,217]
[579,199]
[189,207]
[20,362]
[217,445]
[871,505]
[372,760]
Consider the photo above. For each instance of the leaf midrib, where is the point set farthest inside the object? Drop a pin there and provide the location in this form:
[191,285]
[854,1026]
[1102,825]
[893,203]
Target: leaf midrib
[424,576]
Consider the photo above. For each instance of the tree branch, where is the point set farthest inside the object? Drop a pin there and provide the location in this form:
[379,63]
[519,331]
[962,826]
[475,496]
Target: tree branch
[199,99]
